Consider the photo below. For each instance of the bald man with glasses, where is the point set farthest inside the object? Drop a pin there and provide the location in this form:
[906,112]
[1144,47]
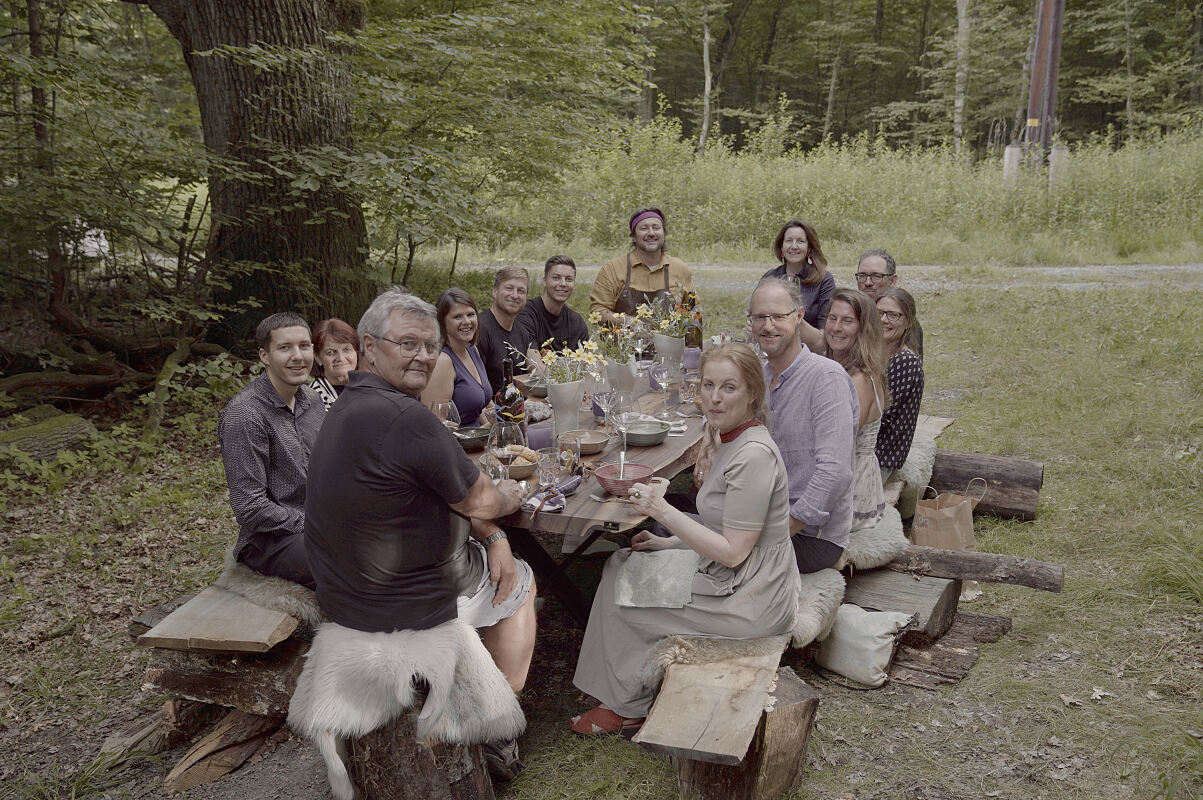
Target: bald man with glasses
[877,271]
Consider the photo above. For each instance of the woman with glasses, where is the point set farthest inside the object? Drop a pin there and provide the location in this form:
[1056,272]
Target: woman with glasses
[459,375]
[803,262]
[853,335]
[904,375]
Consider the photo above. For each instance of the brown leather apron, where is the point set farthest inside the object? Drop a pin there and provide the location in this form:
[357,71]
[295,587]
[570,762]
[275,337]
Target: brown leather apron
[629,299]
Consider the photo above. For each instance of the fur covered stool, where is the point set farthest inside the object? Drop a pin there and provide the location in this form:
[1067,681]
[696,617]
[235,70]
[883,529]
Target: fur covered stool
[915,473]
[870,548]
[277,594]
[364,687]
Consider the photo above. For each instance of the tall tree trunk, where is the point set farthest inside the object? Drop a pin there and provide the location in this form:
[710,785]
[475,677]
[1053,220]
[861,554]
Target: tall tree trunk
[766,55]
[1129,112]
[920,56]
[305,250]
[1021,112]
[1196,87]
[647,94]
[705,127]
[726,45]
[831,88]
[962,77]
[879,24]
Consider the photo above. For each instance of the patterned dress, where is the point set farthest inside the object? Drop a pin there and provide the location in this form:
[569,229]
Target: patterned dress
[904,376]
[868,500]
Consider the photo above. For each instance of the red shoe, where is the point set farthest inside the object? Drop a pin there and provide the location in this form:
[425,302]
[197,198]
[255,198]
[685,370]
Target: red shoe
[602,720]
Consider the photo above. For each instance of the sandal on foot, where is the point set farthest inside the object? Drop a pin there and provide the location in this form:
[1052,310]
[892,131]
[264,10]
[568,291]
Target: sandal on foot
[602,720]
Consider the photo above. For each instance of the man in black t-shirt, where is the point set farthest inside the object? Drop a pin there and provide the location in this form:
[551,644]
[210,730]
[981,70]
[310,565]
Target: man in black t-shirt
[548,316]
[397,515]
[497,328]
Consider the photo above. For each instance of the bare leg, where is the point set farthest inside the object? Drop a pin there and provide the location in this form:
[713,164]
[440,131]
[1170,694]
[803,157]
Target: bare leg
[511,642]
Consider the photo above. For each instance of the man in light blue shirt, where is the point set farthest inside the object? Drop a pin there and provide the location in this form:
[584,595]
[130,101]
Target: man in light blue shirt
[813,410]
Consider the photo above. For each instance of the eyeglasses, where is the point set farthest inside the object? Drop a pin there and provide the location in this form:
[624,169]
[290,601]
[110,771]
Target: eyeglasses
[891,316]
[410,347]
[872,277]
[760,319]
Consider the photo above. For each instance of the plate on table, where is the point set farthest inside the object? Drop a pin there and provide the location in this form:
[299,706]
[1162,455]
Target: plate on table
[647,433]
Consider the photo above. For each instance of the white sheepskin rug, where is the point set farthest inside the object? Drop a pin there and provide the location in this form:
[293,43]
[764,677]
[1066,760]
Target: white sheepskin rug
[705,650]
[822,593]
[355,682]
[869,548]
[270,592]
[916,470]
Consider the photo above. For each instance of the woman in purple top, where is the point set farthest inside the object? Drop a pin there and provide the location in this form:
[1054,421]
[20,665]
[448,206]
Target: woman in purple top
[459,374]
[803,262]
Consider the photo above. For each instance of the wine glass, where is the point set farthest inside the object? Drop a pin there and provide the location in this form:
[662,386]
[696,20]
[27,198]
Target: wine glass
[670,379]
[643,339]
[622,413]
[447,413]
[599,389]
[501,436]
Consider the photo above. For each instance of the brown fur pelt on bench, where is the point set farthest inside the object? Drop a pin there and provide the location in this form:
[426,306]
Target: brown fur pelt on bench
[270,592]
[704,650]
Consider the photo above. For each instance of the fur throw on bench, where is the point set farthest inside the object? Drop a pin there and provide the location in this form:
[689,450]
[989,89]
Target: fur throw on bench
[705,650]
[822,593]
[270,592]
[916,470]
[869,548]
[354,682]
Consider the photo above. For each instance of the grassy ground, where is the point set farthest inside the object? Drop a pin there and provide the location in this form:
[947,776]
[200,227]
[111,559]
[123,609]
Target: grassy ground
[1097,692]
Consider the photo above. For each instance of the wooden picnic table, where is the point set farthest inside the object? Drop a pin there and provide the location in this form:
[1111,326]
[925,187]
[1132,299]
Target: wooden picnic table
[584,516]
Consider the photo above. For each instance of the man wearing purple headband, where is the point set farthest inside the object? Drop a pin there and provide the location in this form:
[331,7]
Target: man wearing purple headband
[641,276]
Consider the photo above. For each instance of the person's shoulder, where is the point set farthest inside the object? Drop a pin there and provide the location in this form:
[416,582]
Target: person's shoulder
[827,282]
[248,403]
[776,272]
[488,321]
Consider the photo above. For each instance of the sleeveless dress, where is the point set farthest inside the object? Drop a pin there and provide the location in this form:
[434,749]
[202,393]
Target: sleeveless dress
[746,489]
[868,499]
[469,395]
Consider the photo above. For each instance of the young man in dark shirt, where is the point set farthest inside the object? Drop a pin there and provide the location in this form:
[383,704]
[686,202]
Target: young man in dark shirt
[497,328]
[548,316]
[266,432]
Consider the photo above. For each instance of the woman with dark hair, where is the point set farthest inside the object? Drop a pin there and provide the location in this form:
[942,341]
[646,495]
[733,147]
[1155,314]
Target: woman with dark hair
[459,375]
[335,354]
[853,336]
[742,580]
[904,375]
[803,262]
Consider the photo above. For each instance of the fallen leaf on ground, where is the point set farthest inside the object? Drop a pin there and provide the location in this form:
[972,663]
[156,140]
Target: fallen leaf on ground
[1099,694]
[1070,701]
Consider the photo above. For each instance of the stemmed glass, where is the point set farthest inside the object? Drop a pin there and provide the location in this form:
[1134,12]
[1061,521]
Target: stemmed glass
[643,339]
[501,436]
[447,413]
[670,379]
[600,390]
[622,413]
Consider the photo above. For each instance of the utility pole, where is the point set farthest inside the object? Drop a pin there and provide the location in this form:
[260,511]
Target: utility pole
[1042,99]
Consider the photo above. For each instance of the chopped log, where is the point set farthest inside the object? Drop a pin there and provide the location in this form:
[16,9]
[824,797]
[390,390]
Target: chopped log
[164,729]
[776,757]
[1012,484]
[710,712]
[949,659]
[218,619]
[228,745]
[933,599]
[976,566]
[258,684]
[48,438]
[390,762]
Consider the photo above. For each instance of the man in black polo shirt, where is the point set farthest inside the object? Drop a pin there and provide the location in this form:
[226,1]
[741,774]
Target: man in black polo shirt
[389,499]
[497,329]
[547,316]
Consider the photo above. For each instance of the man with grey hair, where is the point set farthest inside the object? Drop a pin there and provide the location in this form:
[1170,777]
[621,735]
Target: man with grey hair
[398,517]
[877,271]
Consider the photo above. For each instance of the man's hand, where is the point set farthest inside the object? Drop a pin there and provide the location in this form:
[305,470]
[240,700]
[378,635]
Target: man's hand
[503,574]
[796,525]
[511,496]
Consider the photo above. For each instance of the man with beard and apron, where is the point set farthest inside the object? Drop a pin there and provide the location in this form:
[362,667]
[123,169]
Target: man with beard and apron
[644,275]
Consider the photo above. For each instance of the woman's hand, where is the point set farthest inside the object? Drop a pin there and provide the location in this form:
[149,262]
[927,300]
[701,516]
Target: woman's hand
[647,541]
[648,499]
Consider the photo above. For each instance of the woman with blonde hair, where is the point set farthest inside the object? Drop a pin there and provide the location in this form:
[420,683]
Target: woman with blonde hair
[739,582]
[853,338]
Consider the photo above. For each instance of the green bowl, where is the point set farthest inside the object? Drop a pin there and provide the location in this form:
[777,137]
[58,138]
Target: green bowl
[471,438]
[646,433]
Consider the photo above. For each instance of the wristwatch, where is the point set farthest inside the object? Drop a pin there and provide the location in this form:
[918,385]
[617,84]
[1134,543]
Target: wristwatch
[493,538]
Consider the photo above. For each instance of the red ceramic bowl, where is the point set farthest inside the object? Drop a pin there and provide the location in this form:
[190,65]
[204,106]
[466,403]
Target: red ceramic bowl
[632,473]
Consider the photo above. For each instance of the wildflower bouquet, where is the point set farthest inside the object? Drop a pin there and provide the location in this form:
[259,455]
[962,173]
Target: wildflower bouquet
[616,343]
[568,365]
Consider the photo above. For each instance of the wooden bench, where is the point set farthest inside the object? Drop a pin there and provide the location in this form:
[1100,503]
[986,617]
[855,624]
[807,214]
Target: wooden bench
[735,729]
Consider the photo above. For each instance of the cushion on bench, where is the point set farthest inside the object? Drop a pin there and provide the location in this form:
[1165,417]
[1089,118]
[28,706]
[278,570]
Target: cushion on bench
[270,592]
[822,593]
[354,682]
[869,548]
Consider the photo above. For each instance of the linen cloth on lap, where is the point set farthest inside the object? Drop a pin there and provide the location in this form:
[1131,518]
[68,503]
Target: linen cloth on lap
[657,579]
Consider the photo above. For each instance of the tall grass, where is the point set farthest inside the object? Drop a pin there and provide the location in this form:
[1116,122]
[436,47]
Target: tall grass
[1142,202]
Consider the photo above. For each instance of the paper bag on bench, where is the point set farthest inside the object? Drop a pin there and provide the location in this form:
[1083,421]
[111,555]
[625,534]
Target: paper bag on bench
[946,521]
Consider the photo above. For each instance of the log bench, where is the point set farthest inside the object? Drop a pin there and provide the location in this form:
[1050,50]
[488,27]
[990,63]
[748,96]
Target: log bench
[219,650]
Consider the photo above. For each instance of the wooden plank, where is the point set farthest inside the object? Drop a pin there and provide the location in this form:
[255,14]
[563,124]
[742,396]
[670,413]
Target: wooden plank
[217,619]
[949,659]
[709,712]
[224,749]
[164,729]
[776,757]
[258,684]
[1012,484]
[975,566]
[933,599]
[931,427]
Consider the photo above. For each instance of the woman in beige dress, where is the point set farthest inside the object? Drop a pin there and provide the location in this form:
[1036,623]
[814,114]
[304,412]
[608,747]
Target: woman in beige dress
[746,583]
